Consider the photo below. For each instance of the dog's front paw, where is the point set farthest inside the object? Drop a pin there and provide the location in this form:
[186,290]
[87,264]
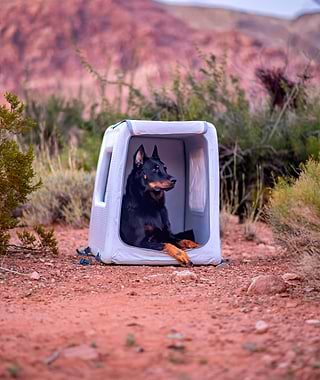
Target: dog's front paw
[178,254]
[188,244]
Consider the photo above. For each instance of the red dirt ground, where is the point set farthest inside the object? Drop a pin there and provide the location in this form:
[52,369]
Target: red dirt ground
[127,322]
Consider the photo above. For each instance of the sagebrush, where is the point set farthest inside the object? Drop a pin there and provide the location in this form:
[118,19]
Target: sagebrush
[294,214]
[65,197]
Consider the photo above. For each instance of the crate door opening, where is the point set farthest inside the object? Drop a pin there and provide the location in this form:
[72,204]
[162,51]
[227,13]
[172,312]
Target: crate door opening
[185,159]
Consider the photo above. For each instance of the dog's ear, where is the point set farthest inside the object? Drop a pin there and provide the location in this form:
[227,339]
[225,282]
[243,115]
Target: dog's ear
[155,153]
[139,156]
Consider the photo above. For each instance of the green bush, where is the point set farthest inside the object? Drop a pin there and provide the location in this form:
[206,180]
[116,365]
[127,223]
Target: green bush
[16,172]
[294,214]
[65,197]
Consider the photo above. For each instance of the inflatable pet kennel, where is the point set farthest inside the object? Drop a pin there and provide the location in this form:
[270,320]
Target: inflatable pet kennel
[190,151]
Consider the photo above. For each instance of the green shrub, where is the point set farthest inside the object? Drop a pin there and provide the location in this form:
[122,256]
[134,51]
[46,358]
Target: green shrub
[41,241]
[16,172]
[294,214]
[17,182]
[65,197]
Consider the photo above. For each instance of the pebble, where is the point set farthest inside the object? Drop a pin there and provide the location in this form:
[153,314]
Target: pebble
[183,276]
[175,336]
[261,327]
[292,304]
[251,347]
[35,276]
[314,322]
[268,360]
[82,351]
[267,284]
[291,277]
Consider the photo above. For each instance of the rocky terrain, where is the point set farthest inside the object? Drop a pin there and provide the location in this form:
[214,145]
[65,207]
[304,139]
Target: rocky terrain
[143,39]
[251,319]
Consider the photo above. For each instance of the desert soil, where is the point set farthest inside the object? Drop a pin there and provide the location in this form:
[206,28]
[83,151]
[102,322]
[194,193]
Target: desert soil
[125,322]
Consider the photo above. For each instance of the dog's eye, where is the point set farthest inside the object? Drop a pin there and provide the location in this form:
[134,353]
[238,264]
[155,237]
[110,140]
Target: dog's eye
[165,168]
[155,169]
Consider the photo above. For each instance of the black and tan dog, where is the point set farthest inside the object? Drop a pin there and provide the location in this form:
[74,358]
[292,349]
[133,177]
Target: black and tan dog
[144,217]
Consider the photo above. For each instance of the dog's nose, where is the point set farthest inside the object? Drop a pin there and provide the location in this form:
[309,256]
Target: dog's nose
[173,180]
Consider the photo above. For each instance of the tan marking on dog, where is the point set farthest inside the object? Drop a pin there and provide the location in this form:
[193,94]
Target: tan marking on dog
[160,184]
[188,244]
[177,254]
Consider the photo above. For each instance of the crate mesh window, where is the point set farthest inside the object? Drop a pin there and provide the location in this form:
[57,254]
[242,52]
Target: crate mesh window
[197,181]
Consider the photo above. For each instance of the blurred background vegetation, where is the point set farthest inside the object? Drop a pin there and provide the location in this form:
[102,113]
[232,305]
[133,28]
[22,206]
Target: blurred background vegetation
[269,153]
[257,143]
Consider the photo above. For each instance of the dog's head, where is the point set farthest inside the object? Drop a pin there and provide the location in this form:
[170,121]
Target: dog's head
[152,172]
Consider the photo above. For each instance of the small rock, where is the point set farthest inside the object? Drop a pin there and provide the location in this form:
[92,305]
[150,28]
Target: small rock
[183,276]
[267,284]
[35,276]
[178,346]
[251,347]
[289,277]
[314,322]
[53,357]
[83,351]
[261,327]
[283,365]
[292,304]
[175,336]
[28,293]
[268,360]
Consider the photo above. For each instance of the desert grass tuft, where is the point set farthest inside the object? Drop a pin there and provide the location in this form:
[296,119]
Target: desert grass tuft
[294,214]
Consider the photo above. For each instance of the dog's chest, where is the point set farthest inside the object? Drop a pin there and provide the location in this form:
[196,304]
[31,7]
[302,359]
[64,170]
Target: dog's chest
[154,220]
